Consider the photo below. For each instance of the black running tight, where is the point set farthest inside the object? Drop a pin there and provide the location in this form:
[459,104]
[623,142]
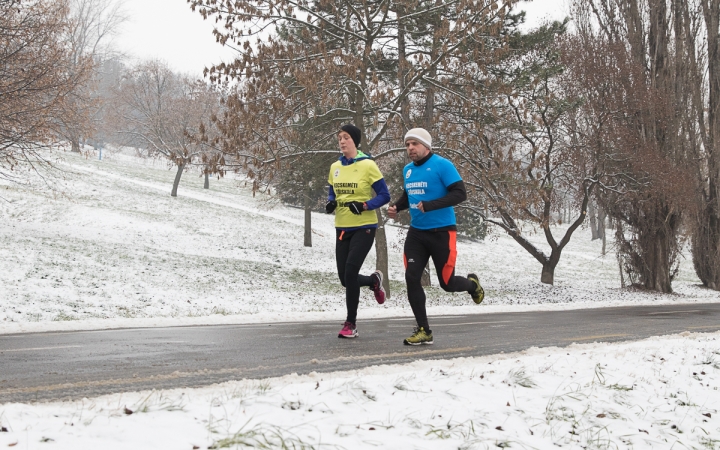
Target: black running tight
[351,248]
[420,246]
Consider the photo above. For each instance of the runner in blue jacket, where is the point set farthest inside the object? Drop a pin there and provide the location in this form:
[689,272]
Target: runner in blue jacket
[432,186]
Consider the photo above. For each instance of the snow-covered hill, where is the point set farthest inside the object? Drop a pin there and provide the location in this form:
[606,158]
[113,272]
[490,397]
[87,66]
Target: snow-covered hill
[111,248]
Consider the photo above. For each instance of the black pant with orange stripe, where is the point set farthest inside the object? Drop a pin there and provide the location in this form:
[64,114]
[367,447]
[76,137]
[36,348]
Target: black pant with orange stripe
[420,246]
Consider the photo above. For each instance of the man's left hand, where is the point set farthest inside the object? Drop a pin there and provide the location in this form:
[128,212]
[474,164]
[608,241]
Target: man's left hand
[421,207]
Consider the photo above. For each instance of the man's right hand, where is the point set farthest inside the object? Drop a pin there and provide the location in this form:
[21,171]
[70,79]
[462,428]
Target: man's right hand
[392,212]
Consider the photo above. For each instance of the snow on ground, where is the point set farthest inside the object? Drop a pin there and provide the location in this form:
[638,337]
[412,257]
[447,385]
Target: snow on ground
[659,393]
[111,248]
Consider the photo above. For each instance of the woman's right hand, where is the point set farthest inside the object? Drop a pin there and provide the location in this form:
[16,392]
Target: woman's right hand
[330,206]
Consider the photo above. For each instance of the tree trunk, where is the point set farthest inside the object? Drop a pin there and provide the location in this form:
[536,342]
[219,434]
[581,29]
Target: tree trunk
[600,228]
[428,122]
[207,181]
[651,252]
[657,272]
[706,247]
[547,276]
[75,144]
[308,220]
[402,69]
[381,254]
[548,273]
[593,222]
[706,236]
[425,279]
[176,183]
[429,112]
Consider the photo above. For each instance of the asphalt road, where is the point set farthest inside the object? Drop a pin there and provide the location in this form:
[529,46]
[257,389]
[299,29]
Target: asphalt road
[54,366]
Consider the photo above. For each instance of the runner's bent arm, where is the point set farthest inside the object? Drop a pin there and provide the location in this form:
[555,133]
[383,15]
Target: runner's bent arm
[456,195]
[382,197]
[402,203]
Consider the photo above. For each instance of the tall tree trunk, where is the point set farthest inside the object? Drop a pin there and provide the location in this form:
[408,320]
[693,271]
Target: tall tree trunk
[206,185]
[429,112]
[601,229]
[657,273]
[635,31]
[308,219]
[619,256]
[405,105]
[429,122]
[402,69]
[381,253]
[176,183]
[655,247]
[660,236]
[706,247]
[706,238]
[593,222]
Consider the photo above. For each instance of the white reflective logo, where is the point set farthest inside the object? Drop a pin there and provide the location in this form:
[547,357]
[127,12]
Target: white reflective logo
[337,173]
[409,172]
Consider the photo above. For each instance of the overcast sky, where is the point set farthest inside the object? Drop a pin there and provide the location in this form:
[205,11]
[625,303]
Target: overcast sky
[168,30]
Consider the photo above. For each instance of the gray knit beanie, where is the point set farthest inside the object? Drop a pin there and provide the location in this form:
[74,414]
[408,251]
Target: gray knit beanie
[421,135]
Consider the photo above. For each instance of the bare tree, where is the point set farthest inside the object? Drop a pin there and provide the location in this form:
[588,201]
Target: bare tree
[36,83]
[336,62]
[516,155]
[703,82]
[630,69]
[93,23]
[164,112]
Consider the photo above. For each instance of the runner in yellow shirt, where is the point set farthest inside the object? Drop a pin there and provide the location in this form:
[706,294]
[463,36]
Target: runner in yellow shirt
[351,179]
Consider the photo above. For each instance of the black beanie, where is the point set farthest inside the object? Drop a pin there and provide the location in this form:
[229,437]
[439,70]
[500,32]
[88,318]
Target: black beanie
[354,133]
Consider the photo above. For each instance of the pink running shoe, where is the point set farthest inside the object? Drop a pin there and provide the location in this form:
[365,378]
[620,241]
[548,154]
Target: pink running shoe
[348,331]
[377,287]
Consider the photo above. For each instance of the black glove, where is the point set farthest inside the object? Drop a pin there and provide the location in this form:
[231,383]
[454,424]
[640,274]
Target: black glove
[330,206]
[356,207]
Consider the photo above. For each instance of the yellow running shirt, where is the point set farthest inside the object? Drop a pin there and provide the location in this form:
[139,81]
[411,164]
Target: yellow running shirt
[353,183]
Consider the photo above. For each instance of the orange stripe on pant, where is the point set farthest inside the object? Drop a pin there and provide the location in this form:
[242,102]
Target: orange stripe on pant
[449,266]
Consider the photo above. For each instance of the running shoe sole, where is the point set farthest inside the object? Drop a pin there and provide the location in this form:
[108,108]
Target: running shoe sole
[418,343]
